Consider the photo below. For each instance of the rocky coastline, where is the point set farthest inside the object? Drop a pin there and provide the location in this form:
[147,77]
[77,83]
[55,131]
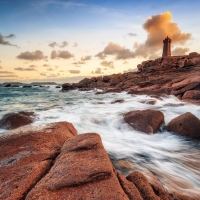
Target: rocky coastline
[173,75]
[54,162]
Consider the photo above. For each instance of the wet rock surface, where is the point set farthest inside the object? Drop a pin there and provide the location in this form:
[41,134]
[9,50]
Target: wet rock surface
[148,121]
[16,120]
[185,125]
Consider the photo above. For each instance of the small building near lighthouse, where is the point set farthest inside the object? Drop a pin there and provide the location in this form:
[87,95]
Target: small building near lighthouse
[166,47]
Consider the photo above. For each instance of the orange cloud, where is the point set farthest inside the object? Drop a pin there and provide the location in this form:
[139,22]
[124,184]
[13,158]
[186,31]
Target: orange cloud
[160,26]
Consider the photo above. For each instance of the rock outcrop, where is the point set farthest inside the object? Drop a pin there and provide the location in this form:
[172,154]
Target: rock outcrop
[148,121]
[81,171]
[185,125]
[169,75]
[26,155]
[54,162]
[15,120]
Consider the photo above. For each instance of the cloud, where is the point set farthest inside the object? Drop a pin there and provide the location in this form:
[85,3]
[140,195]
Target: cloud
[53,75]
[53,44]
[75,44]
[180,51]
[86,58]
[158,27]
[61,54]
[24,69]
[64,44]
[74,71]
[78,63]
[5,72]
[42,74]
[10,36]
[33,66]
[4,42]
[132,34]
[125,62]
[107,64]
[97,71]
[118,51]
[8,76]
[49,69]
[0,67]
[35,55]
[101,55]
[45,65]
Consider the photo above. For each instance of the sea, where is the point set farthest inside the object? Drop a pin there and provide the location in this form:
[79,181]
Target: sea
[173,159]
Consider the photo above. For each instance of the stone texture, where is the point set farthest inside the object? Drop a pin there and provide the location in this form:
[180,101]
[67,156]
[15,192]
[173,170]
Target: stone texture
[191,94]
[15,120]
[148,121]
[129,188]
[186,125]
[82,171]
[26,155]
[142,185]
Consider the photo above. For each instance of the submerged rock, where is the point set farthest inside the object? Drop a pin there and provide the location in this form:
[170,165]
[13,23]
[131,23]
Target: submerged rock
[186,125]
[15,120]
[27,154]
[148,121]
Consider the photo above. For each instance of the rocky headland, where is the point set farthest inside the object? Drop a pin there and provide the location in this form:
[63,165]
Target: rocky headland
[173,75]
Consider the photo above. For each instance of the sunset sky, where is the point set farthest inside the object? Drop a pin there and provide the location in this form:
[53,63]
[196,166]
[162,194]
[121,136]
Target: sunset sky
[64,41]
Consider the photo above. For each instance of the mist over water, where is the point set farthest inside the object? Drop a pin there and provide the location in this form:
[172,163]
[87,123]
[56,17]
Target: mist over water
[173,159]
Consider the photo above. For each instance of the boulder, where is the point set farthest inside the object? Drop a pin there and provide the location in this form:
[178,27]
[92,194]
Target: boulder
[191,94]
[66,87]
[118,101]
[114,90]
[148,101]
[15,120]
[8,85]
[15,86]
[58,86]
[27,154]
[82,171]
[186,125]
[148,121]
[27,86]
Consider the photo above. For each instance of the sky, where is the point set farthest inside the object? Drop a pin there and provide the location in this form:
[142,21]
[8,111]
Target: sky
[65,41]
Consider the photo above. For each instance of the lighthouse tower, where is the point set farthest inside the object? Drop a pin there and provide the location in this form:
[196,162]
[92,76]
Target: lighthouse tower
[166,47]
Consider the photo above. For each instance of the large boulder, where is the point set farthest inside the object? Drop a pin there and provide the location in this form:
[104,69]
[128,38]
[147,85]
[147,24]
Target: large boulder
[15,120]
[27,154]
[82,171]
[191,94]
[186,124]
[148,121]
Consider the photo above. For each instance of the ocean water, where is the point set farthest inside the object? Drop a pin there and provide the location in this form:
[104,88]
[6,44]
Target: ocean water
[173,159]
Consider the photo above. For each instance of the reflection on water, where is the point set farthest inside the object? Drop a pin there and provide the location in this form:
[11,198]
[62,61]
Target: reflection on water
[173,159]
